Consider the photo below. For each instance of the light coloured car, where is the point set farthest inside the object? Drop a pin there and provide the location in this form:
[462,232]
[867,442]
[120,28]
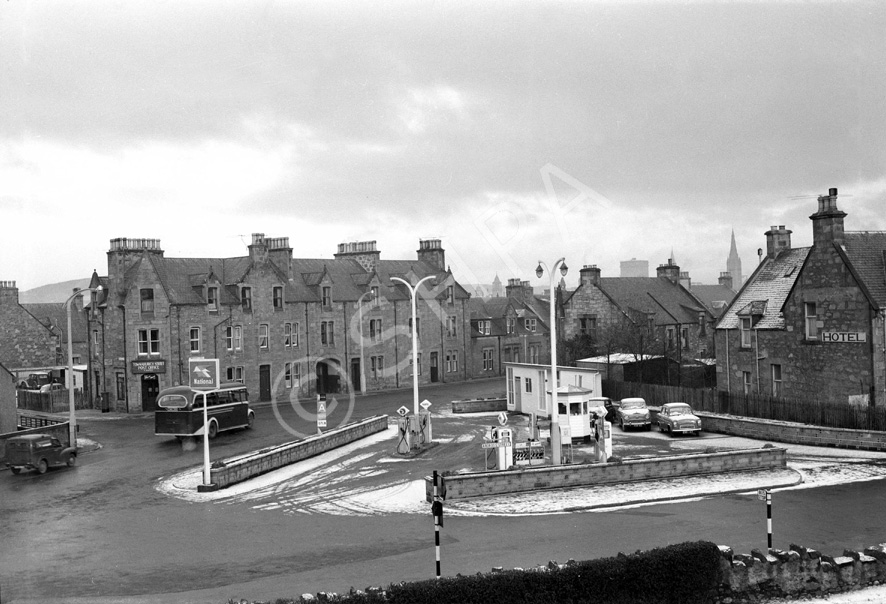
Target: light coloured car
[52,387]
[633,412]
[678,417]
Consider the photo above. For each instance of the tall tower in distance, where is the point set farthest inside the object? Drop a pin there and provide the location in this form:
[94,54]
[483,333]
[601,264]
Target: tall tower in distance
[733,265]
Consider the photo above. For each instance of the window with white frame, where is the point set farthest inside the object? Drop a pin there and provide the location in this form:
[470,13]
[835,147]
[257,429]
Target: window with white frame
[95,338]
[194,338]
[376,366]
[246,299]
[488,359]
[149,341]
[290,335]
[744,327]
[326,296]
[375,330]
[263,336]
[511,324]
[776,380]
[373,295]
[212,298]
[327,333]
[229,338]
[277,293]
[528,382]
[234,374]
[484,327]
[451,330]
[451,361]
[530,325]
[811,320]
[534,353]
[291,374]
[238,337]
[450,294]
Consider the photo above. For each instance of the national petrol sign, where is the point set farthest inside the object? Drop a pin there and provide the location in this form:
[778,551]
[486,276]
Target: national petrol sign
[203,374]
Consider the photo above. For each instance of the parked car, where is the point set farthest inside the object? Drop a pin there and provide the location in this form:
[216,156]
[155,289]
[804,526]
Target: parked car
[51,387]
[633,412]
[606,403]
[37,452]
[678,417]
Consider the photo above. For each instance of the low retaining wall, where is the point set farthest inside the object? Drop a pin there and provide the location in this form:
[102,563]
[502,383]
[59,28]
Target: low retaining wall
[230,471]
[798,571]
[477,484]
[479,405]
[788,432]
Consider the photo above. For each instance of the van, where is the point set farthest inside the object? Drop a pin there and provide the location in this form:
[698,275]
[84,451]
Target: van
[37,452]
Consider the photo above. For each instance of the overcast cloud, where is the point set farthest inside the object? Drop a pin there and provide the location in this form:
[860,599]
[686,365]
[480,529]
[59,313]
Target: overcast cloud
[513,131]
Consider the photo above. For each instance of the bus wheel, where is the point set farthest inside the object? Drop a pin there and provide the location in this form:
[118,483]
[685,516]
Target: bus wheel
[250,420]
[213,429]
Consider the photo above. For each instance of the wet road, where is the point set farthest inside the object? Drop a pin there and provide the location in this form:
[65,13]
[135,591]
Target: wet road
[102,529]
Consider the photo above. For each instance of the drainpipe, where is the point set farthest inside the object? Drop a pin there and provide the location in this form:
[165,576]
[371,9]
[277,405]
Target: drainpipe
[728,372]
[125,362]
[757,354]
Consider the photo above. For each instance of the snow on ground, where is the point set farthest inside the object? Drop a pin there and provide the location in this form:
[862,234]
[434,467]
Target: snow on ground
[325,484]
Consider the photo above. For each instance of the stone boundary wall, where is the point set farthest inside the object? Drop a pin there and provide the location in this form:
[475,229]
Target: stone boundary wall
[480,405]
[789,432]
[477,484]
[798,571]
[230,471]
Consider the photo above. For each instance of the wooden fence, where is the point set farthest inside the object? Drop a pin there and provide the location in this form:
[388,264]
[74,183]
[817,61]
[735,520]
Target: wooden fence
[51,402]
[811,412]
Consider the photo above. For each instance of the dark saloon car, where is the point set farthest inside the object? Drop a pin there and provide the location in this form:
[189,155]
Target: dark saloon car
[37,452]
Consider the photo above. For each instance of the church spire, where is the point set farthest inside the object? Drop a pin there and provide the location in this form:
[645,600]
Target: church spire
[733,264]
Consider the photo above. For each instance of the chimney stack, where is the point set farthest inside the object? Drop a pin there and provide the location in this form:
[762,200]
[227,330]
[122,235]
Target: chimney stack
[589,275]
[669,271]
[827,222]
[778,240]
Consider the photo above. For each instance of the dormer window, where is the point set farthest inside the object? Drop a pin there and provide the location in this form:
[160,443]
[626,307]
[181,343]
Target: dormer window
[278,298]
[326,296]
[745,329]
[484,327]
[246,299]
[512,324]
[147,301]
[450,294]
[212,299]
[374,295]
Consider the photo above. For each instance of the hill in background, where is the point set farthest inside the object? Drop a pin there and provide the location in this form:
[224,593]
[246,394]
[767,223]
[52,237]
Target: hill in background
[55,292]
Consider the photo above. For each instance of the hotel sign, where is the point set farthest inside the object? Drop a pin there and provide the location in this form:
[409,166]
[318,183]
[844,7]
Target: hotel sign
[155,366]
[843,336]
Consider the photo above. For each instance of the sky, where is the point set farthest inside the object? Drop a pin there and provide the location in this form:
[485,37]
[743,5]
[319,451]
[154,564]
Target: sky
[512,131]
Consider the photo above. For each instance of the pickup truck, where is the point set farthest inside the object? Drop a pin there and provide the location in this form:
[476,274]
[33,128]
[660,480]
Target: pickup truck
[37,452]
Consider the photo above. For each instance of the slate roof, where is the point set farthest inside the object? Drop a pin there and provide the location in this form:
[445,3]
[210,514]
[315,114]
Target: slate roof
[765,292]
[667,302]
[716,298]
[867,253]
[495,310]
[54,316]
[183,279]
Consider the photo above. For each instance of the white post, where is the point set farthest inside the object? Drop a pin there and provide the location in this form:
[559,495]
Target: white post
[72,415]
[207,479]
[412,292]
[555,409]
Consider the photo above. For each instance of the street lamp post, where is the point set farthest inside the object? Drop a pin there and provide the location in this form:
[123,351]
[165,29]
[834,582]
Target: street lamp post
[72,419]
[360,313]
[412,291]
[556,445]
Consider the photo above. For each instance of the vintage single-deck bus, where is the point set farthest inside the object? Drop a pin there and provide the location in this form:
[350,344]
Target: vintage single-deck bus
[181,410]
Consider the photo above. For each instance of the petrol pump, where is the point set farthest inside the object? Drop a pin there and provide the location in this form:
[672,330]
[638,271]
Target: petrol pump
[602,434]
[504,437]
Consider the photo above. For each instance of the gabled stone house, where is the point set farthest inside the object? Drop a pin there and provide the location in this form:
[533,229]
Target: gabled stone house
[507,330]
[25,340]
[286,327]
[809,322]
[674,321]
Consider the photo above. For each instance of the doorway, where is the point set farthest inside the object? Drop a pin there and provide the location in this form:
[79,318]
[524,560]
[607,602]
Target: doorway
[434,364]
[356,384]
[150,390]
[264,382]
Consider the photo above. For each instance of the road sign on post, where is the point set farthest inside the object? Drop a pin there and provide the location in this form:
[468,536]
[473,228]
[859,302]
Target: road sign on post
[203,374]
[321,413]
